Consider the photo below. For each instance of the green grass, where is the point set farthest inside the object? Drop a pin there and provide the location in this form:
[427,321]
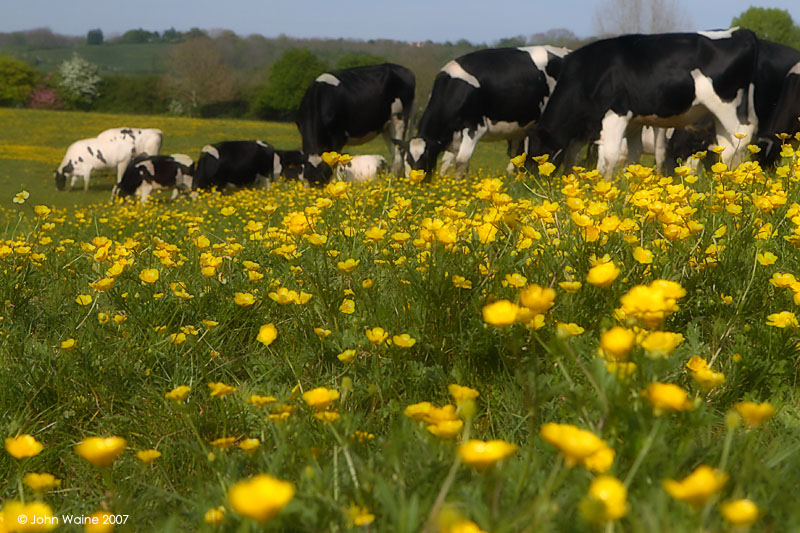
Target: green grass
[71,369]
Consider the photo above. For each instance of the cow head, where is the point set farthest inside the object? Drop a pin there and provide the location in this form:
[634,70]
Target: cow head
[316,172]
[419,154]
[61,175]
[538,142]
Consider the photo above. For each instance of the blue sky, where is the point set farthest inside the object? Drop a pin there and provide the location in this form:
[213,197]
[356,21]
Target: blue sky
[408,20]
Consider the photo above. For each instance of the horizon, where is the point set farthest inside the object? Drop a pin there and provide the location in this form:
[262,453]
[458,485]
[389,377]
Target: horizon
[412,21]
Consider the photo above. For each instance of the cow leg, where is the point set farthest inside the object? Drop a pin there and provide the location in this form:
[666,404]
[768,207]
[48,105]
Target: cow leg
[660,148]
[469,140]
[395,129]
[609,147]
[633,137]
[514,149]
[447,160]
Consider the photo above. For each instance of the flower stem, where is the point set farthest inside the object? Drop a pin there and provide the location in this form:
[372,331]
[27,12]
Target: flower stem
[643,452]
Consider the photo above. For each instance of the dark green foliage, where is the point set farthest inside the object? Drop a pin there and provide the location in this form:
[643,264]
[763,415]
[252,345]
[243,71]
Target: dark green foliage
[770,23]
[358,60]
[288,79]
[17,79]
[94,37]
[131,94]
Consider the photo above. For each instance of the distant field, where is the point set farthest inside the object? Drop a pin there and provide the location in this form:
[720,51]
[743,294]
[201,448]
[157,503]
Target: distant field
[111,58]
[32,144]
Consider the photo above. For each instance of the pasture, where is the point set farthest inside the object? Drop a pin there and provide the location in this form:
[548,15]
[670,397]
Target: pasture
[627,351]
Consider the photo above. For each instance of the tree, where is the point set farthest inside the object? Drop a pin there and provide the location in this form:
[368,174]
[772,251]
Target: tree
[79,82]
[617,17]
[94,37]
[198,76]
[17,79]
[288,79]
[358,60]
[770,23]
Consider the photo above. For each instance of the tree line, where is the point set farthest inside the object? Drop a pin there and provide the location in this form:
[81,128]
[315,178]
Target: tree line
[223,74]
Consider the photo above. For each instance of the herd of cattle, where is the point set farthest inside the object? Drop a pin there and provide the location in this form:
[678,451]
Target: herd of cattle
[679,92]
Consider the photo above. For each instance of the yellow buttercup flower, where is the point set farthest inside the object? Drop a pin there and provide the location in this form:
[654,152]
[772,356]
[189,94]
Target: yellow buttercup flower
[101,451]
[754,413]
[31,516]
[348,265]
[698,487]
[666,397]
[23,446]
[267,334]
[244,299]
[220,389]
[607,500]
[41,482]
[320,398]
[84,299]
[575,444]
[602,275]
[69,344]
[538,299]
[214,516]
[784,319]
[261,497]
[149,275]
[617,343]
[741,512]
[481,455]
[346,356]
[148,456]
[404,340]
[347,307]
[461,393]
[376,335]
[660,344]
[500,313]
[178,393]
[446,429]
[250,445]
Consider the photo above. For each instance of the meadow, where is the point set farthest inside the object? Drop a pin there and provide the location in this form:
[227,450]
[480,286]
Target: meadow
[527,353]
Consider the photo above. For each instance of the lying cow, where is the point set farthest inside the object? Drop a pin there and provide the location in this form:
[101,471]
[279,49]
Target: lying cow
[491,95]
[112,149]
[352,106]
[244,164]
[146,173]
[361,168]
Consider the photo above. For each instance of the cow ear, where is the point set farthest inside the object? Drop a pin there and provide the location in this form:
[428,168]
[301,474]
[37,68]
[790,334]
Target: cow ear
[403,145]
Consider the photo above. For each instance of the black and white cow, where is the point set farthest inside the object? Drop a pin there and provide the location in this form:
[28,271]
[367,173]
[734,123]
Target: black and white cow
[352,106]
[146,173]
[112,149]
[613,86]
[777,96]
[361,168]
[244,164]
[493,95]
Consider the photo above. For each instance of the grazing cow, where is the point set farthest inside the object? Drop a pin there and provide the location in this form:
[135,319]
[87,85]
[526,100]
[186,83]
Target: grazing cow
[146,173]
[493,95]
[777,96]
[352,106]
[361,168]
[666,80]
[244,164]
[113,148]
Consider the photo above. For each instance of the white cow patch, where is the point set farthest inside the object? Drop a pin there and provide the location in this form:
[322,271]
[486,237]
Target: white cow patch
[330,79]
[277,168]
[183,159]
[262,143]
[502,130]
[539,57]
[416,147]
[315,160]
[457,71]
[718,34]
[794,70]
[609,146]
[148,166]
[210,150]
[397,106]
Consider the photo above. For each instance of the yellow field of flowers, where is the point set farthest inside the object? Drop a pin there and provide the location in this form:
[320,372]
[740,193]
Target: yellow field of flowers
[524,353]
